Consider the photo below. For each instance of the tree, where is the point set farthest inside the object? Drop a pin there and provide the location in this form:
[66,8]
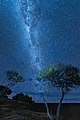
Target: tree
[23,98]
[12,78]
[5,90]
[64,77]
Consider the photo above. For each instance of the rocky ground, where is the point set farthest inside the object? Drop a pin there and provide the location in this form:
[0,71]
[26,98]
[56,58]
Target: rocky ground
[13,110]
[18,111]
[9,114]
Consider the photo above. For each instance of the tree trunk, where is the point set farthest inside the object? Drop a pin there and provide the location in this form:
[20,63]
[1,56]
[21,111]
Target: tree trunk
[48,112]
[59,107]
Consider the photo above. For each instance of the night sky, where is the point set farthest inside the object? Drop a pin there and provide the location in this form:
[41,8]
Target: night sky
[37,33]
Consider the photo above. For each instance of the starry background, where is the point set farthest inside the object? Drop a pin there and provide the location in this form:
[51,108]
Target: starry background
[59,37]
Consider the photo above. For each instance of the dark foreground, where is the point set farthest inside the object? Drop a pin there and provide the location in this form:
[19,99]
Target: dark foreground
[14,110]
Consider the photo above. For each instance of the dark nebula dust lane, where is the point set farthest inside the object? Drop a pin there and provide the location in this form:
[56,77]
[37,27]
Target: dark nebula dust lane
[36,33]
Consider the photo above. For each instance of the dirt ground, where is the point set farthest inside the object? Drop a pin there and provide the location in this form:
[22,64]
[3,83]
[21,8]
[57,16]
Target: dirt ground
[13,110]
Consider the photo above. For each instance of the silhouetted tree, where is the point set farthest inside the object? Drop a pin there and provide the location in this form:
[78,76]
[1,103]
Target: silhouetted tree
[64,77]
[23,98]
[12,78]
[5,90]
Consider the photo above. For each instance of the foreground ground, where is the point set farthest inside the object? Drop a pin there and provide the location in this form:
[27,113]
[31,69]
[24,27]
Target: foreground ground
[13,110]
[18,111]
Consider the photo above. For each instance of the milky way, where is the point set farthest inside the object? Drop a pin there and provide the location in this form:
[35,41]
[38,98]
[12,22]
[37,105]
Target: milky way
[34,34]
[31,14]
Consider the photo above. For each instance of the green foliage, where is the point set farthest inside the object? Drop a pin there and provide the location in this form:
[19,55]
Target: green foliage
[62,76]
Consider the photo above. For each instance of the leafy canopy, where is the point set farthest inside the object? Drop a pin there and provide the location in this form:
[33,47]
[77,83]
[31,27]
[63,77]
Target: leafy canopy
[62,76]
[13,77]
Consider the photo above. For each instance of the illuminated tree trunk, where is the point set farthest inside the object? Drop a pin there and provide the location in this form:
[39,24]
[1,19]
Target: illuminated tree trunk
[59,106]
[48,111]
